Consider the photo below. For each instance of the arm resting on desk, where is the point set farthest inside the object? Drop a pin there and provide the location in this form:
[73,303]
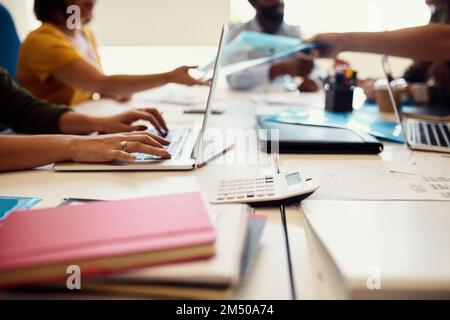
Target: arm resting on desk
[26,152]
[21,152]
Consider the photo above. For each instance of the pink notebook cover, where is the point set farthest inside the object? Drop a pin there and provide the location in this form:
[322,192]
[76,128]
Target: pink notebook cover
[103,229]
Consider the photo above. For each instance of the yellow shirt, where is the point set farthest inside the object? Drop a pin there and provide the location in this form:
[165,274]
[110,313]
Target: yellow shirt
[44,52]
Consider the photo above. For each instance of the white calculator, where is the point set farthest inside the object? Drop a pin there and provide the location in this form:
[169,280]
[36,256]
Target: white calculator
[282,187]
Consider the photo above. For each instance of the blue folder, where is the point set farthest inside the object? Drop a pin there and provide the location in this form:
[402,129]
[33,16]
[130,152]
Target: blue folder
[363,121]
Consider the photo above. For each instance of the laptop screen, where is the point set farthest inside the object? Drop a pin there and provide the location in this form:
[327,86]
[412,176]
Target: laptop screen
[212,90]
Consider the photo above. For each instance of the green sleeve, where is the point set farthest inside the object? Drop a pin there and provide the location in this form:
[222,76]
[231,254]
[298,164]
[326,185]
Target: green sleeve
[24,113]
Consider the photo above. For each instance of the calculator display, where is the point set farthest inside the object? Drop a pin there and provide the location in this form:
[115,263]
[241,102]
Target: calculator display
[293,179]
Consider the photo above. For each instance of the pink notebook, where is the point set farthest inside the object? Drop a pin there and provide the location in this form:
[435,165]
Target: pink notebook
[103,237]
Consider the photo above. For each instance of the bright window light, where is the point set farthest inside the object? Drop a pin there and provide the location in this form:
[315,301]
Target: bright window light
[344,15]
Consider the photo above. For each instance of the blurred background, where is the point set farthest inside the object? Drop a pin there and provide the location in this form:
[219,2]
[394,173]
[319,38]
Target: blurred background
[198,22]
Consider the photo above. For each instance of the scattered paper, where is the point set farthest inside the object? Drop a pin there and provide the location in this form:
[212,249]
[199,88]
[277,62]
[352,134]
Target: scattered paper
[371,180]
[176,95]
[422,163]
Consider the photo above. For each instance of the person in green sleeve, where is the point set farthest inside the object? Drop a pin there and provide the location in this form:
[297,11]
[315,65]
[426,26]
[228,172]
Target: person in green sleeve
[57,132]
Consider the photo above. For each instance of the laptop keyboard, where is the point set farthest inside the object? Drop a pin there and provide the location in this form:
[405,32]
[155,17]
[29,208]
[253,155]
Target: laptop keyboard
[177,137]
[429,133]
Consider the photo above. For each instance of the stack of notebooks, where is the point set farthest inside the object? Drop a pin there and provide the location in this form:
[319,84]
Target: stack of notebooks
[166,246]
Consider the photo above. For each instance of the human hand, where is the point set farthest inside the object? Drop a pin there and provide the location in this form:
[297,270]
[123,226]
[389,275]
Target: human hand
[334,43]
[107,148]
[181,76]
[308,85]
[123,122]
[301,65]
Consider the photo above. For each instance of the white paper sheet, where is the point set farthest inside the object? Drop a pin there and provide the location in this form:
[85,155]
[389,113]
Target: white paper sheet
[422,163]
[372,180]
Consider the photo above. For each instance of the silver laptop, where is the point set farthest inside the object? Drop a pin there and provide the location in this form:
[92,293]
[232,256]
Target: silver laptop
[426,135]
[184,148]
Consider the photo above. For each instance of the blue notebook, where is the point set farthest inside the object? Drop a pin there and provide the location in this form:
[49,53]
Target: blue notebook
[10,204]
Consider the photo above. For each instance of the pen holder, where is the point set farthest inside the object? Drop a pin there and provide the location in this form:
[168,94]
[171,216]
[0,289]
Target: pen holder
[338,100]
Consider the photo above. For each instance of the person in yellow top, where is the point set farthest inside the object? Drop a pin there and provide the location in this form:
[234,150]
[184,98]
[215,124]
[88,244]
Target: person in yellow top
[61,64]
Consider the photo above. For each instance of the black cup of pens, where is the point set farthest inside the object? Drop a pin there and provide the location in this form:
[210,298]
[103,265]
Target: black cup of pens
[339,91]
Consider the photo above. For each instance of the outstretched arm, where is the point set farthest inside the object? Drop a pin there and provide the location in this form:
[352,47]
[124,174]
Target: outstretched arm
[83,76]
[425,43]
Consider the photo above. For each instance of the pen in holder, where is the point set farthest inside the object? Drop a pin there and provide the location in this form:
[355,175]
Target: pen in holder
[339,91]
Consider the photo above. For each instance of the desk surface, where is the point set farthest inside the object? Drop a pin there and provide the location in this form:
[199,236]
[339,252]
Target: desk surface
[268,276]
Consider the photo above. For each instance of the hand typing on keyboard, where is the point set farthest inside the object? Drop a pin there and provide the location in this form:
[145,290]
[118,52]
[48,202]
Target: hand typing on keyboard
[125,121]
[177,138]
